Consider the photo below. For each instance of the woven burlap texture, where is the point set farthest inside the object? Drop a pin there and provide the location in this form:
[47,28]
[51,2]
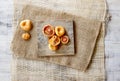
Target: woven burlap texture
[85,31]
[24,70]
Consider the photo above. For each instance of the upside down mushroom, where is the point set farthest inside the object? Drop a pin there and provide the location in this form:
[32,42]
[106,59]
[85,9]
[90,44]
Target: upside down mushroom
[55,36]
[54,40]
[51,47]
[60,31]
[48,30]
[26,36]
[26,25]
[64,39]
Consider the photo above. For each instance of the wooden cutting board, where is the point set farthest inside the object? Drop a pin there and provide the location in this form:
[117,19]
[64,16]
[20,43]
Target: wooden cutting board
[43,49]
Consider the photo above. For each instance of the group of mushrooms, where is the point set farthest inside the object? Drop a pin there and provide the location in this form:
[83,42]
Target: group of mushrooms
[56,35]
[26,25]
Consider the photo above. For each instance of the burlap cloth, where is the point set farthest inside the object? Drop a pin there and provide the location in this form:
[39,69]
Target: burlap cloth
[86,33]
[38,44]
[31,70]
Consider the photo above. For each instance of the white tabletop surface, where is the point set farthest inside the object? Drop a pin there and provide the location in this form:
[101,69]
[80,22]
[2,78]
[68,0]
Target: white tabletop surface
[112,41]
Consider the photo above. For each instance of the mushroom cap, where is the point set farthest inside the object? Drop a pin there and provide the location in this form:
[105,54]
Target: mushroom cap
[64,39]
[59,30]
[48,30]
[26,25]
[54,40]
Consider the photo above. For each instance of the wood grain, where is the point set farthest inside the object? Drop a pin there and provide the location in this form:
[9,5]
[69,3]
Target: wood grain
[112,41]
[43,49]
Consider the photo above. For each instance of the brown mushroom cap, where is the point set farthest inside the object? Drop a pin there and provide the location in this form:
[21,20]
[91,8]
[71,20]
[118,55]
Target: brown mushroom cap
[54,40]
[51,47]
[26,25]
[26,36]
[60,31]
[64,39]
[48,30]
